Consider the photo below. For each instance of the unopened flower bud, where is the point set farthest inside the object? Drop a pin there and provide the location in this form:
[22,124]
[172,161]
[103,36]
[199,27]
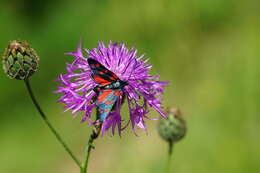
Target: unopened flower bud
[20,61]
[173,128]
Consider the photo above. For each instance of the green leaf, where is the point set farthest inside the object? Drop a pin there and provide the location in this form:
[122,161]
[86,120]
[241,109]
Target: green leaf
[27,59]
[26,67]
[17,65]
[20,58]
[10,60]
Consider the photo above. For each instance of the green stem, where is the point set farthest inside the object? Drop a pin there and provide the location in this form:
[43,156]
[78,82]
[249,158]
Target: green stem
[168,167]
[27,83]
[87,151]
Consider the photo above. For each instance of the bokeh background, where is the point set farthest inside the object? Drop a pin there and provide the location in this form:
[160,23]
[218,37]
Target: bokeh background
[208,50]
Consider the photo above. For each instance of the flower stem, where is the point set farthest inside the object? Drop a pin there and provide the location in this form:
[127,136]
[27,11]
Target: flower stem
[89,147]
[168,167]
[36,104]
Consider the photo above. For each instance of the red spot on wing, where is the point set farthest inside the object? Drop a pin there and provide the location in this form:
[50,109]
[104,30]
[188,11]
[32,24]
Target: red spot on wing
[101,72]
[115,76]
[109,102]
[103,95]
[112,78]
[97,65]
[117,93]
[100,80]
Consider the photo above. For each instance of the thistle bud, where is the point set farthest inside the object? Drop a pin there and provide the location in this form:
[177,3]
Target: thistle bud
[20,61]
[173,128]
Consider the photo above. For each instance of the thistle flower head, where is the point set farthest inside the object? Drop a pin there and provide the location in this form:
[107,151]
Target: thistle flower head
[142,91]
[173,128]
[20,61]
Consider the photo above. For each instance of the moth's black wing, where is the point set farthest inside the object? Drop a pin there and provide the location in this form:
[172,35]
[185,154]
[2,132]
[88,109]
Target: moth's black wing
[101,74]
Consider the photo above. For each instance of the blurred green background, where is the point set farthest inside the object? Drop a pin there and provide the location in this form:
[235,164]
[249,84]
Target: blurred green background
[209,50]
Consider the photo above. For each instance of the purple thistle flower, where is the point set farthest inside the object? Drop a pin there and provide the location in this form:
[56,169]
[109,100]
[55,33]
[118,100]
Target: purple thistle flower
[143,90]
